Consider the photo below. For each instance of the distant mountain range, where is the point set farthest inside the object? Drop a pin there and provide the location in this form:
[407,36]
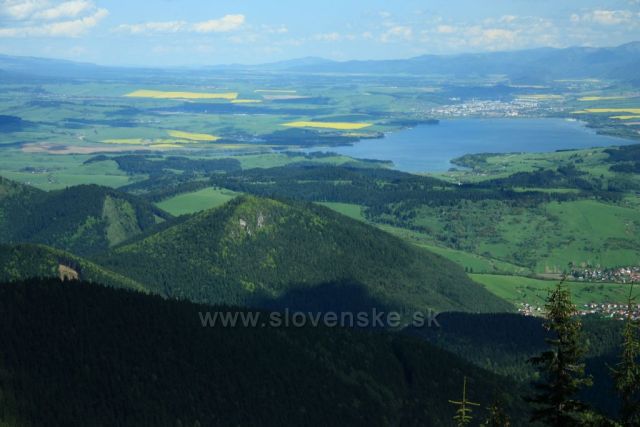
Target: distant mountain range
[622,62]
[529,66]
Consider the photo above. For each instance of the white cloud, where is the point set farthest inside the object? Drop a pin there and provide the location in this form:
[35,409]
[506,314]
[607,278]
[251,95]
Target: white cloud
[68,9]
[44,10]
[21,9]
[151,27]
[75,27]
[224,24]
[397,33]
[328,37]
[445,29]
[495,38]
[506,32]
[280,29]
[41,18]
[606,17]
[508,19]
[68,28]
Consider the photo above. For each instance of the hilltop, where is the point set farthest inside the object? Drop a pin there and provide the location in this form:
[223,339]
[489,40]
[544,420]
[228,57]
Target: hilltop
[270,253]
[84,220]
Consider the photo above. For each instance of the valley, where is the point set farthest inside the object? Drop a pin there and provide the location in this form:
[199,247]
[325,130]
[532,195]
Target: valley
[481,211]
[134,200]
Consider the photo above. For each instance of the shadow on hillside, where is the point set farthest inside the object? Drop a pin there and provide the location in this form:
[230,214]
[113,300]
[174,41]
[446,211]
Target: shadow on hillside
[340,297]
[503,343]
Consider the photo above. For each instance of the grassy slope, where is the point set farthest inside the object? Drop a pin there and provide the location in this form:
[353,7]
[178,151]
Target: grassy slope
[604,234]
[254,249]
[514,288]
[595,220]
[518,289]
[584,231]
[543,238]
[351,210]
[469,261]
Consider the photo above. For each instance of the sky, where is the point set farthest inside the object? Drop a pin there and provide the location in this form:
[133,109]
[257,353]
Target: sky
[211,32]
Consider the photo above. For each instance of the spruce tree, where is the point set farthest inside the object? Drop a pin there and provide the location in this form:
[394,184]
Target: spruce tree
[497,416]
[627,372]
[561,368]
[463,414]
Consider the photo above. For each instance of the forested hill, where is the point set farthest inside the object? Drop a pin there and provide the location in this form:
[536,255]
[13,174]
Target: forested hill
[85,219]
[263,252]
[26,261]
[75,354]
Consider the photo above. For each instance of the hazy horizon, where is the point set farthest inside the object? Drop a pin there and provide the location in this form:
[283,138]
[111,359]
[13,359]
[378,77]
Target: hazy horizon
[309,57]
[197,33]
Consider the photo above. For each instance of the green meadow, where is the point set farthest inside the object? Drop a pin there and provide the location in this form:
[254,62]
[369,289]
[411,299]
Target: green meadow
[518,289]
[53,172]
[348,209]
[188,203]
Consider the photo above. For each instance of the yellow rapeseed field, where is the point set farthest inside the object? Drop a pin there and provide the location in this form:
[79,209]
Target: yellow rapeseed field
[609,110]
[158,94]
[193,136]
[129,141]
[328,125]
[179,137]
[601,98]
[625,117]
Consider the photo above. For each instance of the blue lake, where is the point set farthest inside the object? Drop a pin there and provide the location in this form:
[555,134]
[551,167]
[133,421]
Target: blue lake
[429,148]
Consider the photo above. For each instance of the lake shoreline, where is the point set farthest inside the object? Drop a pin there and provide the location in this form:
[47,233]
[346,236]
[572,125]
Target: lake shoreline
[430,149]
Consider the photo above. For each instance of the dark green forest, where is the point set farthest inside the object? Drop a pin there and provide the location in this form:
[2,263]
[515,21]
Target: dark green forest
[78,354]
[25,261]
[85,219]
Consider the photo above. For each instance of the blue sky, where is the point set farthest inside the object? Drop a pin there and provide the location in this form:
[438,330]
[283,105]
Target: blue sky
[207,32]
